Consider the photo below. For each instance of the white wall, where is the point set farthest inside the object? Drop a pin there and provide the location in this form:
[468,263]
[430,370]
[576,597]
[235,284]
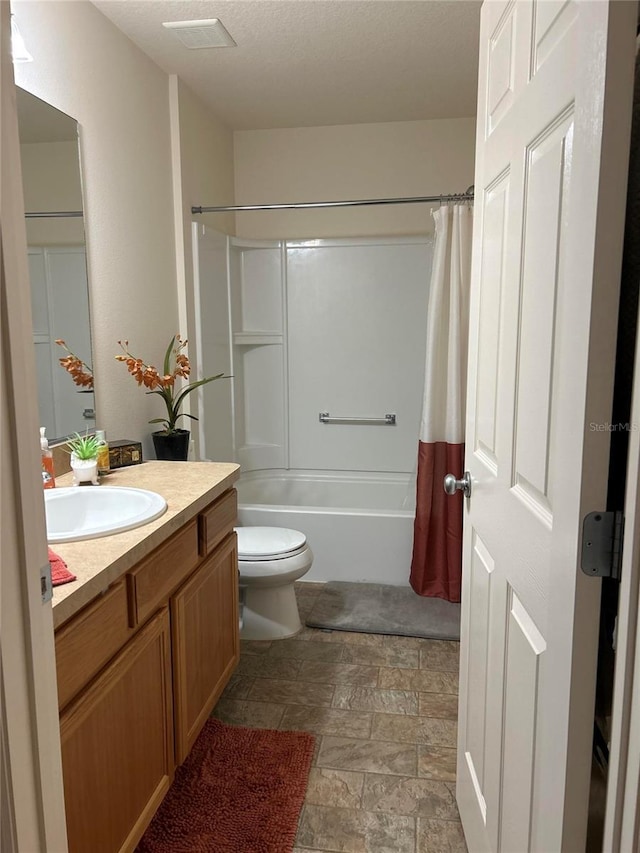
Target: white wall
[206,158]
[88,69]
[51,181]
[350,161]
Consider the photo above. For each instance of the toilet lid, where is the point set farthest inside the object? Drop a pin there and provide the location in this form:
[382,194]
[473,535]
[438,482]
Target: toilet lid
[265,542]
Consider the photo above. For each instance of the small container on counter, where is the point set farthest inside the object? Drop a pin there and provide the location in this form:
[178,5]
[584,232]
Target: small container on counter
[103,452]
[48,478]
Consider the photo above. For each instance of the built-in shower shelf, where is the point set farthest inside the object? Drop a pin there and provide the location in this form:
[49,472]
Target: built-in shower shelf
[256,338]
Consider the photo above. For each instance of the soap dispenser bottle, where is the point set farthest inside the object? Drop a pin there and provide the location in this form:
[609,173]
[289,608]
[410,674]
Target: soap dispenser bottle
[103,452]
[48,479]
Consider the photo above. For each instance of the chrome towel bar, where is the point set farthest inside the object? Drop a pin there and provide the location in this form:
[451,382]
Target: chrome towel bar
[387,420]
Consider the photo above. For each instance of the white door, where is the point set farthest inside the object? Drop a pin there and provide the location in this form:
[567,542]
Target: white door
[550,190]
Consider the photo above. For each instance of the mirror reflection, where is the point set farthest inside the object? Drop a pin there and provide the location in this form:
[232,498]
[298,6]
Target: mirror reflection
[57,262]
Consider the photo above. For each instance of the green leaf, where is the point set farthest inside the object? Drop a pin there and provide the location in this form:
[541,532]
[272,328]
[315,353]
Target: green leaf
[84,446]
[165,393]
[167,357]
[195,385]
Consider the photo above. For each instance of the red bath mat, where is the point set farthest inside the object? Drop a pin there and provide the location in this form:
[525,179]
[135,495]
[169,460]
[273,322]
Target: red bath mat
[239,791]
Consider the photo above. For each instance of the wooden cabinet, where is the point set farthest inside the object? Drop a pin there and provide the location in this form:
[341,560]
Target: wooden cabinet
[216,521]
[158,575]
[139,671]
[88,642]
[117,745]
[204,623]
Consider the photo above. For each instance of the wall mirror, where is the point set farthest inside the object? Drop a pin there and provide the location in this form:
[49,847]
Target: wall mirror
[57,262]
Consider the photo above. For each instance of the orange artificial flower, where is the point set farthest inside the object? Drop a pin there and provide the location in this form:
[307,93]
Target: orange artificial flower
[80,372]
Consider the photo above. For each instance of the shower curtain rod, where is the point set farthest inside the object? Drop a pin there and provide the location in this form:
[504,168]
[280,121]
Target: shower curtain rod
[53,214]
[361,202]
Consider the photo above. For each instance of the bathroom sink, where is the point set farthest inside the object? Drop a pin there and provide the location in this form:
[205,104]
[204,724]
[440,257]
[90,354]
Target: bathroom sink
[88,512]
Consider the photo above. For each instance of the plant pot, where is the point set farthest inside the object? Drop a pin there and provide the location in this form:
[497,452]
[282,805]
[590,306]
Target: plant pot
[84,470]
[173,446]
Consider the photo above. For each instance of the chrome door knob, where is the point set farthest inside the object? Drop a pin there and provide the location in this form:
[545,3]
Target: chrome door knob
[451,485]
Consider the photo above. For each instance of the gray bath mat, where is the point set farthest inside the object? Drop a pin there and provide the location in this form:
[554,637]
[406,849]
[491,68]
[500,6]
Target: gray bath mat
[374,608]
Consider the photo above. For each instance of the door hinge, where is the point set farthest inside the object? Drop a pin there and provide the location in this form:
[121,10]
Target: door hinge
[46,587]
[602,537]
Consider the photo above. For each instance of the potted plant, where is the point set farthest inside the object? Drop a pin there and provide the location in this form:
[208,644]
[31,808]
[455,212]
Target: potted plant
[172,442]
[84,458]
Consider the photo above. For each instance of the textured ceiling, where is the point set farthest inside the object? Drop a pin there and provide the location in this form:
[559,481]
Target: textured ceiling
[302,63]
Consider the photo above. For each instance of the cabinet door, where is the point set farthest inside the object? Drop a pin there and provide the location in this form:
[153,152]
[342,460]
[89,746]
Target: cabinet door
[117,745]
[204,620]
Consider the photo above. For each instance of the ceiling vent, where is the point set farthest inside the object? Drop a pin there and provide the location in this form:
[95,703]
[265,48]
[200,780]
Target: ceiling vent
[200,34]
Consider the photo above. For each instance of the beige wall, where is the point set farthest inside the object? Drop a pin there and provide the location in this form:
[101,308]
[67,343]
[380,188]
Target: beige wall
[51,181]
[88,69]
[206,146]
[350,161]
[203,169]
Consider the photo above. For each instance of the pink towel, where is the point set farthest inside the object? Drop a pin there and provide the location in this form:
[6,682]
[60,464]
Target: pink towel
[59,572]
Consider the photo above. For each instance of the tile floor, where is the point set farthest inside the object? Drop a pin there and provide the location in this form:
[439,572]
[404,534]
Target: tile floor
[383,710]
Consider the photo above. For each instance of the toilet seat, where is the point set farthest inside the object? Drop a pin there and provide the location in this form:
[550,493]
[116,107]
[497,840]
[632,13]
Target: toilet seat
[256,544]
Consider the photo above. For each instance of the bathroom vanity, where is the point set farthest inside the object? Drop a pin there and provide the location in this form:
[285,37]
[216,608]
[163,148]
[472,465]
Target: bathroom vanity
[146,640]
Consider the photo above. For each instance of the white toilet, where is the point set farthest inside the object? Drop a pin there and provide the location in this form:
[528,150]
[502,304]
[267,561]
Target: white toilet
[270,559]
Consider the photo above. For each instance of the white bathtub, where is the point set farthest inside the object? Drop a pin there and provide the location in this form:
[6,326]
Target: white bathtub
[359,526]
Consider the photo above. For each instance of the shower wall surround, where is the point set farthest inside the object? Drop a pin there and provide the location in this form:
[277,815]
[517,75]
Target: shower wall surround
[313,326]
[357,313]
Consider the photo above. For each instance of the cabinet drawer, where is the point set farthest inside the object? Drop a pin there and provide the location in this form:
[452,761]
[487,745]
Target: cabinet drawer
[217,521]
[89,640]
[159,574]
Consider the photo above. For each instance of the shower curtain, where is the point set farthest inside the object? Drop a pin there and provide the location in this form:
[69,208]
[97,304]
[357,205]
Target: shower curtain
[436,567]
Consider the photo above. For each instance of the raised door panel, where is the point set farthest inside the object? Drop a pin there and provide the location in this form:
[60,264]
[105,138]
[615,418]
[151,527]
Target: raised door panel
[501,71]
[547,184]
[495,222]
[117,745]
[204,620]
[524,657]
[551,19]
